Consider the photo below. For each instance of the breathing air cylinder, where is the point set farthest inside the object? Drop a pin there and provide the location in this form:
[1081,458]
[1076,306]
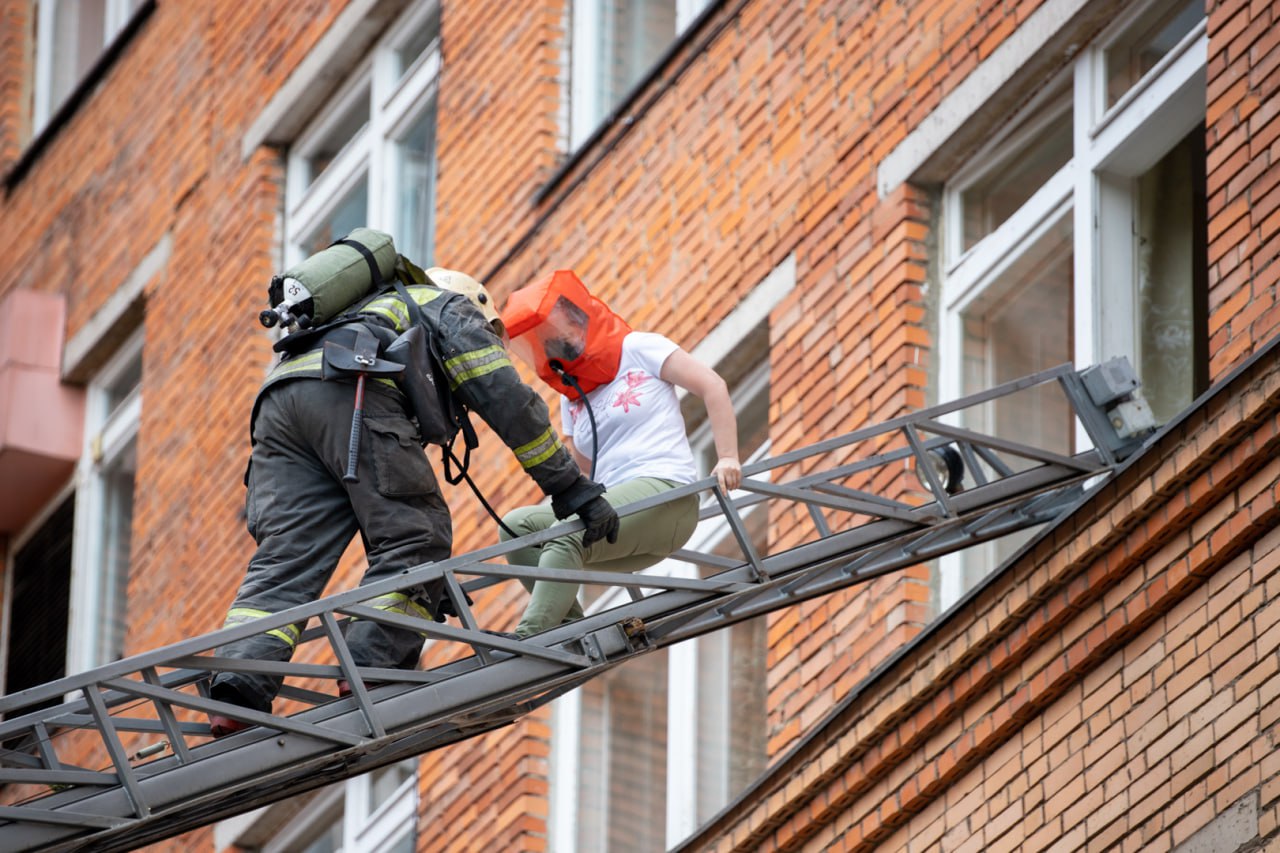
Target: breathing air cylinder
[326,283]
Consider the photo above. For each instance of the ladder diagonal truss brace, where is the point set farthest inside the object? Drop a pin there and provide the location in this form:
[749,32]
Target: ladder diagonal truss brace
[178,777]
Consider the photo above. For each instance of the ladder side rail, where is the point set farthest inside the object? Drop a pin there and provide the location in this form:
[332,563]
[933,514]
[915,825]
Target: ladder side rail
[257,755]
[410,577]
[69,713]
[931,413]
[835,574]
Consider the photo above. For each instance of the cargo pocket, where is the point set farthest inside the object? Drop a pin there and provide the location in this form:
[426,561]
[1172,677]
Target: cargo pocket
[399,464]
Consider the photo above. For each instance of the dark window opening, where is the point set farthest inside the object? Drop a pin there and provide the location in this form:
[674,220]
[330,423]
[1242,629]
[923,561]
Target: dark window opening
[38,608]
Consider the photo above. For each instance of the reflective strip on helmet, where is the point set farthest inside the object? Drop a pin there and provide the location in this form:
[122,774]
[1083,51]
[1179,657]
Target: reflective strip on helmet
[290,634]
[478,362]
[308,361]
[398,602]
[539,450]
[392,307]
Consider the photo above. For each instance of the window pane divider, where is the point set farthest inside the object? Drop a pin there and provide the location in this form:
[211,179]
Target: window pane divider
[331,188]
[992,255]
[1154,94]
[409,93]
[1155,77]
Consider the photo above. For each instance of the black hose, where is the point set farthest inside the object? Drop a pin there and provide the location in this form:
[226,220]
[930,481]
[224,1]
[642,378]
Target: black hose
[464,476]
[570,380]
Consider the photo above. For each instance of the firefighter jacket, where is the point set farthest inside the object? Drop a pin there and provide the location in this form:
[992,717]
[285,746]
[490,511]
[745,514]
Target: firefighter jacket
[479,372]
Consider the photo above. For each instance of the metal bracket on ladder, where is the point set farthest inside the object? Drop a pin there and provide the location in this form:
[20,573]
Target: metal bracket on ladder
[832,526]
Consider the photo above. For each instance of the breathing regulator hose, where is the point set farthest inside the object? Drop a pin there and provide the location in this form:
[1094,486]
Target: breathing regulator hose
[570,380]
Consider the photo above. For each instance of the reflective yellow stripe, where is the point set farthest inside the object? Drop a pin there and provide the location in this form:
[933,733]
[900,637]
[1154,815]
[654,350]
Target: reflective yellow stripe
[290,634]
[539,450]
[478,362]
[306,361]
[398,602]
[392,307]
[310,362]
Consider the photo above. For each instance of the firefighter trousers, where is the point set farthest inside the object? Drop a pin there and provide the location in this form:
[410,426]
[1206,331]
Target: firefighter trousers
[303,516]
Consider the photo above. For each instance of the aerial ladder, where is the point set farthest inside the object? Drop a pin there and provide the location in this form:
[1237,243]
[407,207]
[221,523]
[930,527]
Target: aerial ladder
[164,773]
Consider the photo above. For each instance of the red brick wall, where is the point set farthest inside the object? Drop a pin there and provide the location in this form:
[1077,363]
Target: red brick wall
[15,90]
[1244,223]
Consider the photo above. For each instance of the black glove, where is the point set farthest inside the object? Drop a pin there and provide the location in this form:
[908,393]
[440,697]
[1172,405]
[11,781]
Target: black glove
[583,499]
[601,520]
[444,607]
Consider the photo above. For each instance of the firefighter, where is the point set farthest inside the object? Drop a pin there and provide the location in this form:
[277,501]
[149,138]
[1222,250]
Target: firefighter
[302,512]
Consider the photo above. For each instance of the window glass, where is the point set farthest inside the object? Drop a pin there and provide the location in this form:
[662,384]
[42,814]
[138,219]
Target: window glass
[369,157]
[403,844]
[731,717]
[104,512]
[1143,44]
[992,199]
[623,758]
[327,840]
[616,43]
[632,37]
[1126,207]
[349,123]
[79,36]
[117,389]
[349,213]
[1165,278]
[416,44]
[385,782]
[70,37]
[1021,324]
[417,188]
[116,520]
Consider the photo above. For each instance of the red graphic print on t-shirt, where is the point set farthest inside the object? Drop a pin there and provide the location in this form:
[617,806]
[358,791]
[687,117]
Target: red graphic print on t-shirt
[631,396]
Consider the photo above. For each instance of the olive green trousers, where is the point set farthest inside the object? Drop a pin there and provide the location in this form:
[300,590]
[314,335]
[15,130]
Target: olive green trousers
[644,539]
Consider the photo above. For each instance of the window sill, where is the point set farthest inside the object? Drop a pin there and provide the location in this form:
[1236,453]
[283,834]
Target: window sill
[81,93]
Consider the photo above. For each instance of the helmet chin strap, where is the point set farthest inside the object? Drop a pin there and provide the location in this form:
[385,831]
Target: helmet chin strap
[570,380]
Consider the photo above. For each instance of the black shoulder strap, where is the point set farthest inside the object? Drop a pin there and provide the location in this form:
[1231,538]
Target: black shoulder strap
[457,412]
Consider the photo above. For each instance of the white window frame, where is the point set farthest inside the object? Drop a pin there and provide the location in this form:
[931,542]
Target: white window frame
[396,101]
[106,436]
[116,14]
[682,683]
[378,829]
[363,830]
[682,663]
[584,71]
[1111,148]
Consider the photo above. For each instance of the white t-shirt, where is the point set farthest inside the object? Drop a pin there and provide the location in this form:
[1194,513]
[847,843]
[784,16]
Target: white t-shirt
[637,418]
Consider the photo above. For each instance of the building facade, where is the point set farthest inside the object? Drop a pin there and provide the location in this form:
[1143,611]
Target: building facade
[851,209]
